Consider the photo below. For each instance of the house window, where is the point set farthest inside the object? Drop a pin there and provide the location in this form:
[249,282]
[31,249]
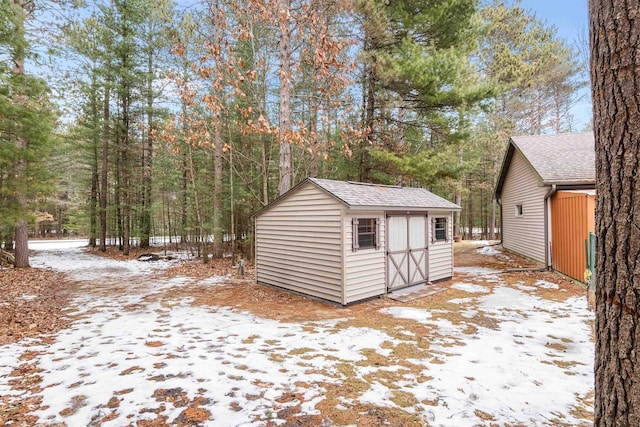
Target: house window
[365,233]
[519,210]
[440,229]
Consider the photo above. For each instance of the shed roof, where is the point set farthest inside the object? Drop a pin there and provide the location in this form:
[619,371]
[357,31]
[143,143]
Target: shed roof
[358,194]
[565,159]
[374,196]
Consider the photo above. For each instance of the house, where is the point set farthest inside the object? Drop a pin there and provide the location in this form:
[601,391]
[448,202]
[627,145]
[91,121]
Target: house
[348,241]
[546,191]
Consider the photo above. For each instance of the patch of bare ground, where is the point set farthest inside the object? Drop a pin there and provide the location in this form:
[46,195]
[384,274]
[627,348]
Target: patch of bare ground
[466,255]
[345,412]
[32,303]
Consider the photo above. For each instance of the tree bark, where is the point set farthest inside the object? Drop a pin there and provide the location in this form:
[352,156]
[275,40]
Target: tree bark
[370,108]
[22,244]
[106,117]
[615,78]
[313,130]
[218,144]
[21,232]
[284,17]
[147,153]
[95,141]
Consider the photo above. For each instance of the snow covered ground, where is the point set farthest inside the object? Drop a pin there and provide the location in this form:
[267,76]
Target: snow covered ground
[495,354]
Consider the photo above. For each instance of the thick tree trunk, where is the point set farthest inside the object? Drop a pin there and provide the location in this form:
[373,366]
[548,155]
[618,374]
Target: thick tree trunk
[615,76]
[285,96]
[21,232]
[147,155]
[217,140]
[22,244]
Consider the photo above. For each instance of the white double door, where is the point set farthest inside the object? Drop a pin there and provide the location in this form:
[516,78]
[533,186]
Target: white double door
[407,251]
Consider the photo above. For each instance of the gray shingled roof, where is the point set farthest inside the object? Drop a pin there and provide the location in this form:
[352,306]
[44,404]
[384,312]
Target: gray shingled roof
[566,158]
[357,194]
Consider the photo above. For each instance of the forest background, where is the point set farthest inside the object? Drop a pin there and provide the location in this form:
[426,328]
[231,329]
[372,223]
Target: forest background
[121,120]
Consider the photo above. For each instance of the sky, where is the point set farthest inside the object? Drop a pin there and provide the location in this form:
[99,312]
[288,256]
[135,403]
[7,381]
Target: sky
[570,17]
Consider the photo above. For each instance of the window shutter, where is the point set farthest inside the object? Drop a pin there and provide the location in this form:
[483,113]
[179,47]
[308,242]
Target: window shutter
[377,233]
[354,234]
[446,230]
[433,230]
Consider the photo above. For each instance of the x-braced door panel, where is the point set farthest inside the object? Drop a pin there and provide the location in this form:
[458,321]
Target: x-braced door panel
[407,260]
[417,253]
[397,262]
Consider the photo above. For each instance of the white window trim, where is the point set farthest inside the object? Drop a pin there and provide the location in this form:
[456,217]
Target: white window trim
[519,210]
[446,229]
[355,243]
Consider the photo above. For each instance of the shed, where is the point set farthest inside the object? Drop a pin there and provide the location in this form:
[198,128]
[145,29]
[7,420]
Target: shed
[348,241]
[546,191]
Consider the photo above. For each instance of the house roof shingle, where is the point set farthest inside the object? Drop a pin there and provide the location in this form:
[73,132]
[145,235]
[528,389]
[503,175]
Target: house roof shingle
[567,158]
[357,194]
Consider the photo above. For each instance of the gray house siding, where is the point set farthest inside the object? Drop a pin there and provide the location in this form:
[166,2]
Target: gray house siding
[365,272]
[298,244]
[523,234]
[441,253]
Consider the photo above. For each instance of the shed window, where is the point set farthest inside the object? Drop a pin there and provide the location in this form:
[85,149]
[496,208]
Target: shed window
[519,210]
[440,229]
[365,233]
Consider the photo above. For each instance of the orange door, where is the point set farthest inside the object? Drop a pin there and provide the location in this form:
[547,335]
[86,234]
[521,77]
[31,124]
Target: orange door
[572,217]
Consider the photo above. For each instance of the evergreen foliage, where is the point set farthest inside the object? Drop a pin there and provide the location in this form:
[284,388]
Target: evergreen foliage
[176,121]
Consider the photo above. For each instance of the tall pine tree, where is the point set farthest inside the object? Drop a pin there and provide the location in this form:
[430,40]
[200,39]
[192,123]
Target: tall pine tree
[26,128]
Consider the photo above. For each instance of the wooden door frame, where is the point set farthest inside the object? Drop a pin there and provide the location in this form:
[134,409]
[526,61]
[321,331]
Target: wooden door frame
[408,254]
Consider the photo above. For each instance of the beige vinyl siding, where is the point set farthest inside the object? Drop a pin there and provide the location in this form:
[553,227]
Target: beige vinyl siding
[298,244]
[440,253]
[523,234]
[365,269]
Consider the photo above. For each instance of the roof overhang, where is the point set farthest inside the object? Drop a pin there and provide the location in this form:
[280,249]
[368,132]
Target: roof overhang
[401,208]
[582,183]
[504,168]
[351,206]
[506,162]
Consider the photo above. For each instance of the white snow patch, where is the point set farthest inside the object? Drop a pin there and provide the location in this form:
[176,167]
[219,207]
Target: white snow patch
[476,271]
[479,242]
[28,297]
[462,300]
[470,287]
[546,285]
[47,245]
[488,250]
[417,314]
[203,349]
[513,370]
[469,314]
[215,280]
